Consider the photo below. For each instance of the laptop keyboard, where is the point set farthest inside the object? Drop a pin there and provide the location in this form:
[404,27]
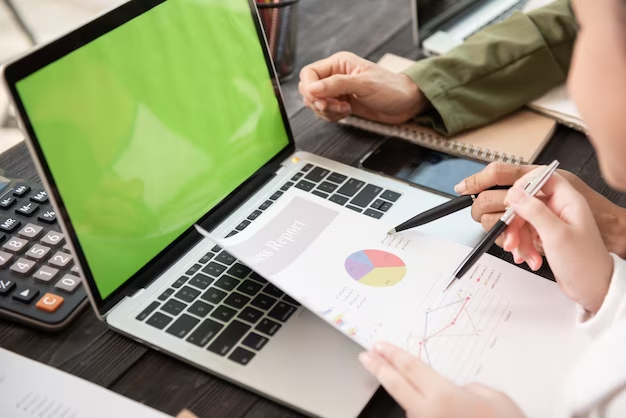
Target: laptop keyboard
[222,305]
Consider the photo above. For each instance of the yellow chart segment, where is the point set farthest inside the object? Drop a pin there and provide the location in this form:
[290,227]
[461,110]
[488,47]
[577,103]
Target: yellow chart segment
[384,276]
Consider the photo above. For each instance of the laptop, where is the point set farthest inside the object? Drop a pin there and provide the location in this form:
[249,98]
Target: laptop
[440,25]
[160,114]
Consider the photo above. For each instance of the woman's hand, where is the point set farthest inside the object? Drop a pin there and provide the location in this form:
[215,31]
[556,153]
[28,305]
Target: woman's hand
[489,207]
[423,393]
[569,236]
[345,84]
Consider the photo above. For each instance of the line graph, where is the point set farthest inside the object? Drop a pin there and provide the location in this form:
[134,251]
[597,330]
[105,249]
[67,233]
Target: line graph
[453,332]
[458,308]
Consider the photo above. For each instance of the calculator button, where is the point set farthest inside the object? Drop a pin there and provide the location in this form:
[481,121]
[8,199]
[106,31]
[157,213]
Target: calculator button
[45,274]
[40,197]
[53,238]
[28,209]
[9,224]
[48,216]
[68,283]
[15,245]
[21,190]
[76,270]
[7,202]
[6,286]
[30,231]
[23,266]
[5,259]
[25,294]
[49,302]
[60,259]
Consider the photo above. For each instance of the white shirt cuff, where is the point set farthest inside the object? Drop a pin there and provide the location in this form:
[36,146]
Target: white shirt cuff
[614,302]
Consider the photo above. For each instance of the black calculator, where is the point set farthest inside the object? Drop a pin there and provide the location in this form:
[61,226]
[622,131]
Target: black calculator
[40,283]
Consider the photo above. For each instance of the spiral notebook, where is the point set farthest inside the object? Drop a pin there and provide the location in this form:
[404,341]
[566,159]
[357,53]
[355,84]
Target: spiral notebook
[518,138]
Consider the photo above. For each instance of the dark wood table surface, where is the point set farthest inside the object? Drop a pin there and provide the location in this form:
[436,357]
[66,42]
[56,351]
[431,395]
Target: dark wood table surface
[88,349]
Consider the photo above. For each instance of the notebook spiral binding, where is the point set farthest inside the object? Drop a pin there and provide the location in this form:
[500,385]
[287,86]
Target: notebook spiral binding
[432,141]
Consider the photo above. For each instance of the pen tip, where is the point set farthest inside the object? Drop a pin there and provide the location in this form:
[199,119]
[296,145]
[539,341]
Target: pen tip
[452,280]
[391,231]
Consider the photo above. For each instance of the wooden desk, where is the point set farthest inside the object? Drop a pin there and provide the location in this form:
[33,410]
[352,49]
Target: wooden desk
[89,350]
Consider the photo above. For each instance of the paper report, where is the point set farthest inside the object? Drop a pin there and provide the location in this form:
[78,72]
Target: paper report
[499,324]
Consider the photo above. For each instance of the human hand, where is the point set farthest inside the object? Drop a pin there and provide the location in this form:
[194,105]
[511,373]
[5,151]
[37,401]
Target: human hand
[424,393]
[570,238]
[489,207]
[345,84]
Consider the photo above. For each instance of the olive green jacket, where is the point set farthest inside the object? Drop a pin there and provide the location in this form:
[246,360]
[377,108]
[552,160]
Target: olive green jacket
[497,70]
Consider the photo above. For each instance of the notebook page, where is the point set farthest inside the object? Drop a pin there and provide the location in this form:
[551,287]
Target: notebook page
[29,389]
[499,325]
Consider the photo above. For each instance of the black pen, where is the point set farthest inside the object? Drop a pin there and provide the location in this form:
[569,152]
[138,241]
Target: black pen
[483,246]
[445,209]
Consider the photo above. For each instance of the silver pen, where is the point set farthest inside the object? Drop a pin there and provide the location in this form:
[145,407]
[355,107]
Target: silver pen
[483,246]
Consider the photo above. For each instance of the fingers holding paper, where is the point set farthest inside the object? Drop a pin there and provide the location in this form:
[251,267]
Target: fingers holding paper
[570,237]
[424,393]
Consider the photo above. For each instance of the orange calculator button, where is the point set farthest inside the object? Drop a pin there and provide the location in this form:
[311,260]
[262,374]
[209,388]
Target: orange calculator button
[49,302]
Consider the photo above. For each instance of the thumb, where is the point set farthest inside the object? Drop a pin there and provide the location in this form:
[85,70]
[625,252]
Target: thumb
[534,211]
[337,85]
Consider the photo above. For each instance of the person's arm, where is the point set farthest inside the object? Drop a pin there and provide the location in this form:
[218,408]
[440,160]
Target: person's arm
[614,305]
[497,70]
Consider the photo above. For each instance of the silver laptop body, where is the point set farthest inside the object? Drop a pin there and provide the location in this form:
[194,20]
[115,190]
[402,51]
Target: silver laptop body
[204,307]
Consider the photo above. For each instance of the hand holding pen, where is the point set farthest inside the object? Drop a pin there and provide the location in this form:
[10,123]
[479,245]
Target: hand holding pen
[533,187]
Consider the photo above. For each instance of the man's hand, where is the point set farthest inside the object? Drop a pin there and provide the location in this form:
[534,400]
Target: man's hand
[489,207]
[345,84]
[423,393]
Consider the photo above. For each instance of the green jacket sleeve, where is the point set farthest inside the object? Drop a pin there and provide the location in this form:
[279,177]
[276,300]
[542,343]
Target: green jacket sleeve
[497,70]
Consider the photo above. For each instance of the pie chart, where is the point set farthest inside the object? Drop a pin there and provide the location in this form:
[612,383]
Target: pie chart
[375,268]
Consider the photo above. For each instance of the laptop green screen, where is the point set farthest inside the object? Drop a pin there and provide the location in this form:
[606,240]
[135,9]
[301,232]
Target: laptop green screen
[149,126]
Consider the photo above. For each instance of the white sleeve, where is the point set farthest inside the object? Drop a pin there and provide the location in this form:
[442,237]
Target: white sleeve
[614,306]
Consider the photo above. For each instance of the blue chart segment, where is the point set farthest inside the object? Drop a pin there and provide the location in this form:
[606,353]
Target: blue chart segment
[375,268]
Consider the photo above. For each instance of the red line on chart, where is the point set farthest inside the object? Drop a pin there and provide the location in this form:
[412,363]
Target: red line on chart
[460,310]
[423,343]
